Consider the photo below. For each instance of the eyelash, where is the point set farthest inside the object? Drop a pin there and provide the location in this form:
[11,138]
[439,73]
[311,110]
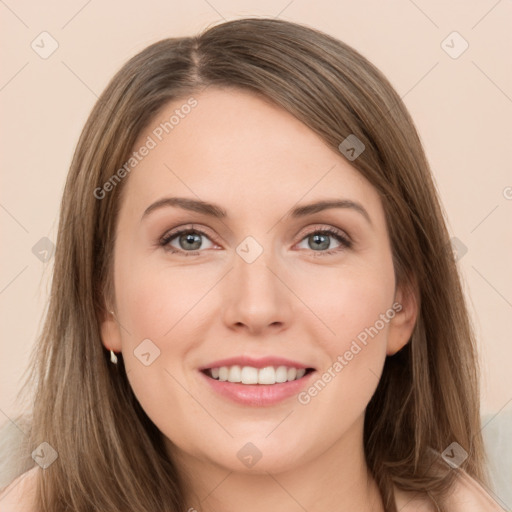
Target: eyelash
[344,241]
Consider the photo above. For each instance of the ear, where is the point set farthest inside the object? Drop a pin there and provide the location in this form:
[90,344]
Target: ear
[110,332]
[402,324]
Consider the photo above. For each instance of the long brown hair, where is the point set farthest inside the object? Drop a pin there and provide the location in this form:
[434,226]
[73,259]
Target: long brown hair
[110,454]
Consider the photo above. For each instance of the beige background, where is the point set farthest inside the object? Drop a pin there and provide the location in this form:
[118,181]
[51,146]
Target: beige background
[462,108]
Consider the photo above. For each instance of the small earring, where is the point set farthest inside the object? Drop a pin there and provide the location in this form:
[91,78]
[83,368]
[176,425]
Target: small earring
[113,357]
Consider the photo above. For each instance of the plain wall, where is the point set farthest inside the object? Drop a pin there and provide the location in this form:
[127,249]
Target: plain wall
[462,108]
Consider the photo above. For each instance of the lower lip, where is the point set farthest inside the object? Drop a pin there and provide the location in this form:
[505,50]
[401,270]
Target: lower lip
[258,394]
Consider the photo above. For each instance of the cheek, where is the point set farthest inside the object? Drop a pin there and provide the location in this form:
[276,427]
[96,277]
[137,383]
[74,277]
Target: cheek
[354,308]
[348,301]
[157,303]
[355,356]
[155,297]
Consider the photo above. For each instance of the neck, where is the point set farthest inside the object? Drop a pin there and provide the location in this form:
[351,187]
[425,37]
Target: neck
[337,479]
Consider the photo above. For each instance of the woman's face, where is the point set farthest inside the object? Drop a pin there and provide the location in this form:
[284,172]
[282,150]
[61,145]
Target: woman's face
[261,281]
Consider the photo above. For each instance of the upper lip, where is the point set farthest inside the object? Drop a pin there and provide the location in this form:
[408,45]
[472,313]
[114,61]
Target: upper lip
[261,362]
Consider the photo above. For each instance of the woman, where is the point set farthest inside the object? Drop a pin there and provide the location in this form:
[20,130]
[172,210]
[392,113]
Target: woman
[312,351]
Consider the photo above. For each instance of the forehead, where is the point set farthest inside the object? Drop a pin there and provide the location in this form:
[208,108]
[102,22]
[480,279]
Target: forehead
[235,145]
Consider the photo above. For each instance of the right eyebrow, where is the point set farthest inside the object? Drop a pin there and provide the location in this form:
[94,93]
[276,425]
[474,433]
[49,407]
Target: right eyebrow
[185,203]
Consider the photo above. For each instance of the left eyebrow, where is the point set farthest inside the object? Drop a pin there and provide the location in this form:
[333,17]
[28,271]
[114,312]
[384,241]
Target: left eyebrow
[213,210]
[309,209]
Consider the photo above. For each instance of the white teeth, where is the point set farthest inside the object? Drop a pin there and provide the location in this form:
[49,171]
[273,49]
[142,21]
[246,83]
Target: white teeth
[235,374]
[223,373]
[251,375]
[266,375]
[281,374]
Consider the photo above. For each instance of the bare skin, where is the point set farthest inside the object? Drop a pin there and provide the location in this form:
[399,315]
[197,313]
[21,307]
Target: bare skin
[257,162]
[19,496]
[466,496]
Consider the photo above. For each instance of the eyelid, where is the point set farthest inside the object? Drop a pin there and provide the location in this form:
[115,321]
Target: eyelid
[346,241]
[340,235]
[325,227]
[188,227]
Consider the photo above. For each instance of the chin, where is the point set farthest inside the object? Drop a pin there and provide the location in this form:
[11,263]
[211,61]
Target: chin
[258,457]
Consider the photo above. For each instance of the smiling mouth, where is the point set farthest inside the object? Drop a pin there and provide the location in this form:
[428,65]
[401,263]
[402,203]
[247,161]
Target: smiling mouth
[269,375]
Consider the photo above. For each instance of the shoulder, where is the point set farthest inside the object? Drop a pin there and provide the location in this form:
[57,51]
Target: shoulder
[18,496]
[465,495]
[408,501]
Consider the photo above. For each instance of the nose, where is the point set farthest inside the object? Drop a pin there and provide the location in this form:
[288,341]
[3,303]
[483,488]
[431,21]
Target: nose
[256,296]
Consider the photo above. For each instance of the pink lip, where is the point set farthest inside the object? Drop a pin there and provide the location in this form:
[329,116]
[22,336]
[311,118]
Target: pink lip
[255,363]
[257,394]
